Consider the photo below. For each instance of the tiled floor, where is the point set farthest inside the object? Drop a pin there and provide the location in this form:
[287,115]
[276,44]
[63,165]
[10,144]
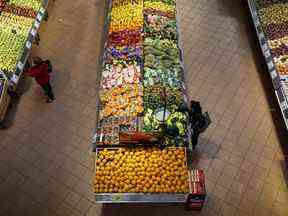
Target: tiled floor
[44,154]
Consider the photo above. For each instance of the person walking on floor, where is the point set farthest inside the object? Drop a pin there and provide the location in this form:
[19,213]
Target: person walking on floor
[41,72]
[196,121]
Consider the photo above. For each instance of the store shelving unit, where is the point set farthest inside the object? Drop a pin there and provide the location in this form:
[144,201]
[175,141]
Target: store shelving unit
[280,82]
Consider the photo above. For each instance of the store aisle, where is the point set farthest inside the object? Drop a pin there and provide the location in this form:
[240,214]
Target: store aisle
[44,154]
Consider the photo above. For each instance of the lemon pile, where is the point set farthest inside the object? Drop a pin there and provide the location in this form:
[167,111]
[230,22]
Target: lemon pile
[141,171]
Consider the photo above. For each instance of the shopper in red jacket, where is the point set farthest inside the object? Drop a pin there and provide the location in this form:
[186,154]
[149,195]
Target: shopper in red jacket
[41,74]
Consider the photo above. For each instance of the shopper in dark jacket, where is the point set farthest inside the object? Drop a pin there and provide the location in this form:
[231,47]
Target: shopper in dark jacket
[195,120]
[40,71]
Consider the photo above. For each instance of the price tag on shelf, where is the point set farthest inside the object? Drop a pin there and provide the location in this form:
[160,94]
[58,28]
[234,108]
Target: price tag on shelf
[261,35]
[39,17]
[94,138]
[33,32]
[42,10]
[14,78]
[270,65]
[265,47]
[284,105]
[273,74]
[257,22]
[4,75]
[267,54]
[28,45]
[117,198]
[37,24]
[20,65]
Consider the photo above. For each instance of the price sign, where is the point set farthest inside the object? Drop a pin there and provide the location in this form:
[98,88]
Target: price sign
[257,22]
[28,45]
[270,65]
[33,32]
[20,65]
[267,54]
[265,47]
[39,17]
[261,35]
[117,198]
[273,74]
[284,105]
[14,78]
[3,74]
[37,24]
[42,10]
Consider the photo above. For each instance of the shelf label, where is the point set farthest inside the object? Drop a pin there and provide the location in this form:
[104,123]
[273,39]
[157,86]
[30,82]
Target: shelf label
[33,32]
[255,13]
[284,105]
[265,47]
[28,45]
[261,35]
[94,138]
[3,74]
[185,98]
[273,74]
[267,54]
[37,24]
[42,10]
[117,198]
[14,78]
[39,17]
[270,65]
[257,22]
[20,65]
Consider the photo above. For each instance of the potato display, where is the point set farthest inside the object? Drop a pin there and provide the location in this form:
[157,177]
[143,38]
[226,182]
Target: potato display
[141,171]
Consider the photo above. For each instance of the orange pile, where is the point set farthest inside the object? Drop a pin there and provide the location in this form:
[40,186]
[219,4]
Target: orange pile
[141,170]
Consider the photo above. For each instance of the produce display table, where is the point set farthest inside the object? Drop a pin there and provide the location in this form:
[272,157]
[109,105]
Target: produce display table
[19,24]
[270,21]
[142,137]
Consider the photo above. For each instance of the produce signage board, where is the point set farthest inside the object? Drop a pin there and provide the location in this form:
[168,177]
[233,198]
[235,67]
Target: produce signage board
[271,23]
[19,22]
[142,76]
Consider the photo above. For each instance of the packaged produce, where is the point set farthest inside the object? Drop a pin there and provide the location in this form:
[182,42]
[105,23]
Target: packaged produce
[141,171]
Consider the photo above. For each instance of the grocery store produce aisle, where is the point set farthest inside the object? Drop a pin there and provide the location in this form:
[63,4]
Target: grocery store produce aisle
[44,154]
